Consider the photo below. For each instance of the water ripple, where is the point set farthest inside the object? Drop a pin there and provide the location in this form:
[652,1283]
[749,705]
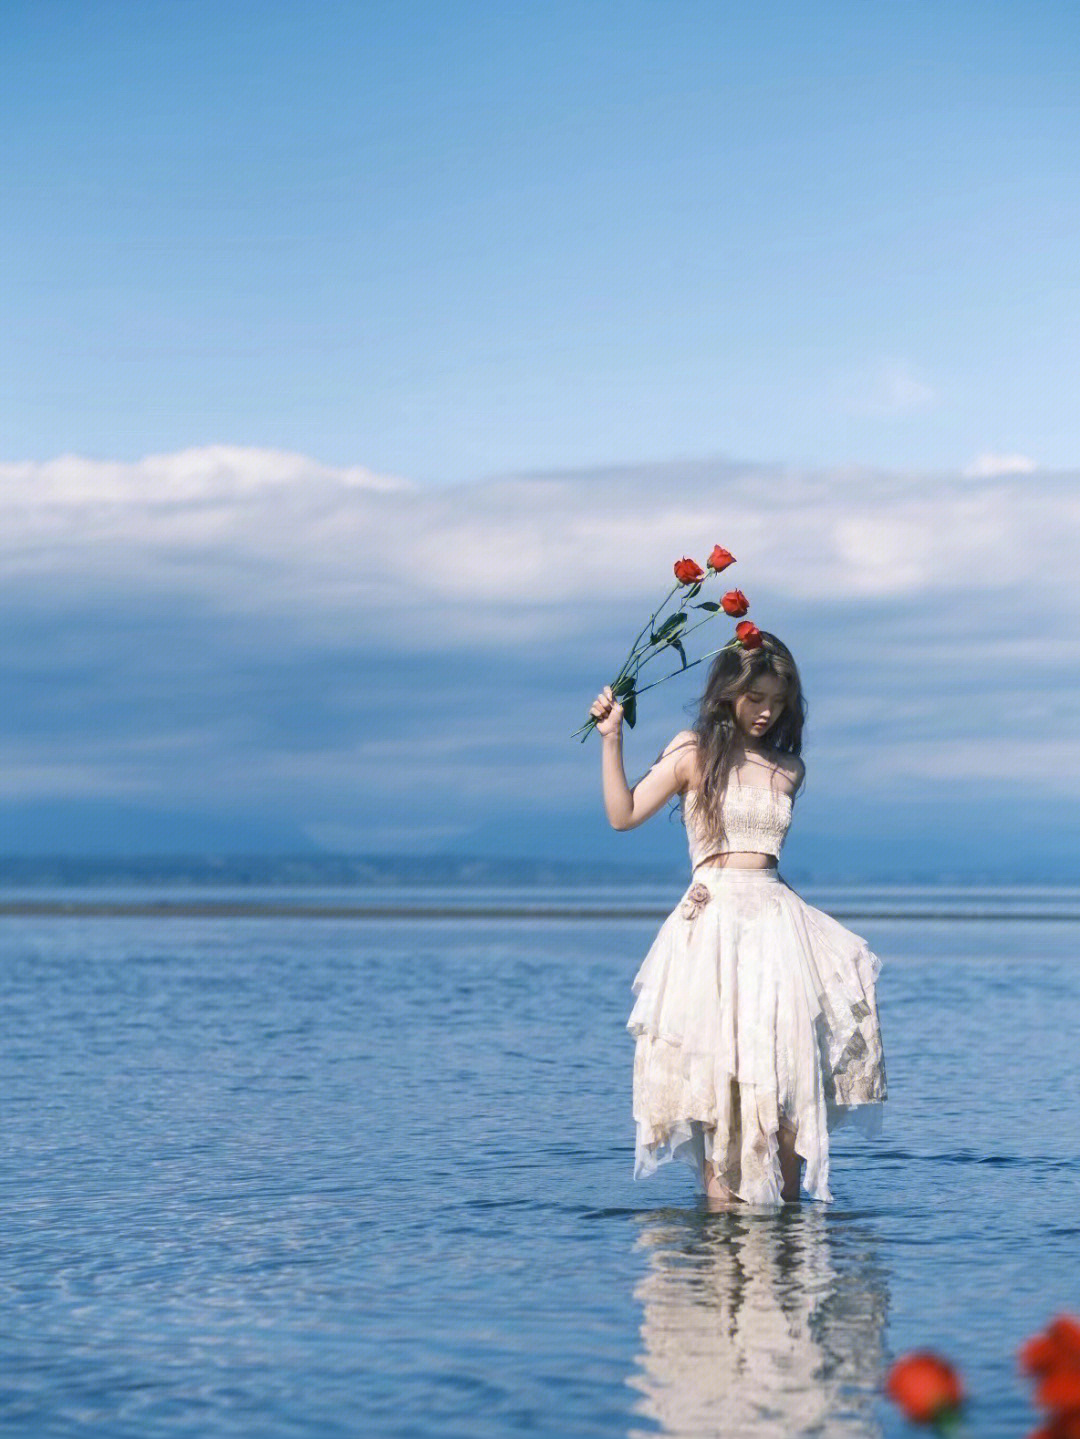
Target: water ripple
[287,1177]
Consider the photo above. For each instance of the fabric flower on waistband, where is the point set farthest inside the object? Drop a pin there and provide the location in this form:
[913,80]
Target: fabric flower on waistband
[697,897]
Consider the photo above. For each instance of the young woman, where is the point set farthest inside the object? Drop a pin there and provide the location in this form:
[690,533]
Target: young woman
[756,1019]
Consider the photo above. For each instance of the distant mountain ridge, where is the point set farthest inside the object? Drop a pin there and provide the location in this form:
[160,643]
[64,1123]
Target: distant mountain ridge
[306,869]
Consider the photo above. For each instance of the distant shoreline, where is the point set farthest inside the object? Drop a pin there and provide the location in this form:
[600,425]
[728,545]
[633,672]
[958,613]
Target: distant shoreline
[263,909]
[48,872]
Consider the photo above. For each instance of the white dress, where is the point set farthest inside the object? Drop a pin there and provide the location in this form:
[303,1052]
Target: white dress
[752,1005]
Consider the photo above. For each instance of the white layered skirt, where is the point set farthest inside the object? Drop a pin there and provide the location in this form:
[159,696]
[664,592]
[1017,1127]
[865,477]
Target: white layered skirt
[753,1006]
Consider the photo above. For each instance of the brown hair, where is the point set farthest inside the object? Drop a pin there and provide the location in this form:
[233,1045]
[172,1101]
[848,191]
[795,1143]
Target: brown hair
[734,672]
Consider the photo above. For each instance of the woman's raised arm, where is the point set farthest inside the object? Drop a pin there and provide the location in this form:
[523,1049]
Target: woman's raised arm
[627,808]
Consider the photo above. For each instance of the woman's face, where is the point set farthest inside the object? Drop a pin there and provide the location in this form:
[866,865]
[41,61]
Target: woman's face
[758,709]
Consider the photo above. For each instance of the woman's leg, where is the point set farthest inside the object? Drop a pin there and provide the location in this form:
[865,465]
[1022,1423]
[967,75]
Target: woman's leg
[790,1162]
[715,1188]
[790,1168]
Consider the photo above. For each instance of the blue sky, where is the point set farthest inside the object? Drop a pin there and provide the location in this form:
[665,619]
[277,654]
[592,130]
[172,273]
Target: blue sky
[453,240]
[362,366]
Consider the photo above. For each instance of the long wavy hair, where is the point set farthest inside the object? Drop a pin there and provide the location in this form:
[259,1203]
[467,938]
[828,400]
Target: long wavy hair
[734,671]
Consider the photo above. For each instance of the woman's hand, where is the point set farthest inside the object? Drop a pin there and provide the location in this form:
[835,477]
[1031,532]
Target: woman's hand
[607,712]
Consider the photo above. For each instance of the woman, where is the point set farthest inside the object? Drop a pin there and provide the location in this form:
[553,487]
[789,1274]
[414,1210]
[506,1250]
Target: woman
[756,1018]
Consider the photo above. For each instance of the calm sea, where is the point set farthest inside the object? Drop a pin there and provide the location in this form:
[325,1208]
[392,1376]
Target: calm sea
[324,1156]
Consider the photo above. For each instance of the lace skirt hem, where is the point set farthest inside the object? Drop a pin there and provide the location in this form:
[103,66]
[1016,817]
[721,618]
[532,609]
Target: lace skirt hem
[753,1006]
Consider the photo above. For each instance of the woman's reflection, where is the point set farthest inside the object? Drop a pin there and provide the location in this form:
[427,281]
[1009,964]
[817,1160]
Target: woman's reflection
[760,1324]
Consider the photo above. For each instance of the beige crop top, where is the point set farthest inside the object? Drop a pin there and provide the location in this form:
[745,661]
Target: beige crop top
[756,819]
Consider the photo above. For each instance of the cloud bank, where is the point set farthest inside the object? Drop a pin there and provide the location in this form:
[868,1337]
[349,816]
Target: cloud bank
[260,531]
[362,660]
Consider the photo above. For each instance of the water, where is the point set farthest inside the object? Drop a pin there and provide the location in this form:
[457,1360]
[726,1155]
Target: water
[284,1176]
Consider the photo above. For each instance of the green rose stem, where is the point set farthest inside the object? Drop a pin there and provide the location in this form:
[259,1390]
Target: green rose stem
[950,1423]
[707,656]
[689,630]
[628,663]
[648,625]
[689,666]
[624,673]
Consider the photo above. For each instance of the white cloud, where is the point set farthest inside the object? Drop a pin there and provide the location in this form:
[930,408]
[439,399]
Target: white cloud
[211,473]
[986,466]
[163,623]
[887,390]
[344,556]
[25,777]
[128,766]
[980,759]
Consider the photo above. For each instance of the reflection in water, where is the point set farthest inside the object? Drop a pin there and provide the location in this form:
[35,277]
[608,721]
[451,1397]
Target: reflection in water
[760,1324]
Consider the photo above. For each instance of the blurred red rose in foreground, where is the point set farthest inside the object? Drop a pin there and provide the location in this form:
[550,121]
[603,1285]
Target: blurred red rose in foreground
[1060,1426]
[925,1386]
[1053,1357]
[1057,1347]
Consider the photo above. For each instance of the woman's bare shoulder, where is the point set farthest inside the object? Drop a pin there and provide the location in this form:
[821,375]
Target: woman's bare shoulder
[792,768]
[684,746]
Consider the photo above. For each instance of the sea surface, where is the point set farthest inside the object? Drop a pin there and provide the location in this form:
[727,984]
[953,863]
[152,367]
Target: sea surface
[320,1155]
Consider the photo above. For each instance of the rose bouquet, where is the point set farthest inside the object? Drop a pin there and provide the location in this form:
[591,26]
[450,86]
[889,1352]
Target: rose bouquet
[657,636]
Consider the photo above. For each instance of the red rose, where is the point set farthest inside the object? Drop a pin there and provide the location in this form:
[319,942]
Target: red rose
[720,559]
[748,635]
[734,603]
[925,1386]
[1054,1356]
[1060,1389]
[1059,1426]
[1065,1332]
[1058,1345]
[687,571]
